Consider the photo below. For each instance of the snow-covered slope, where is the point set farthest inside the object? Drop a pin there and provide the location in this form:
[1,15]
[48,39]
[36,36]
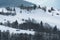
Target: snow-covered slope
[48,3]
[37,14]
[38,2]
[5,3]
[12,30]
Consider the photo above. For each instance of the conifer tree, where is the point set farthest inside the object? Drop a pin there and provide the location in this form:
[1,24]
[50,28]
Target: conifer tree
[34,6]
[55,29]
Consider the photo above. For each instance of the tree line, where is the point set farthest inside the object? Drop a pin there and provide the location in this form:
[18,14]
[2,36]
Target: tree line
[39,28]
[32,24]
[7,36]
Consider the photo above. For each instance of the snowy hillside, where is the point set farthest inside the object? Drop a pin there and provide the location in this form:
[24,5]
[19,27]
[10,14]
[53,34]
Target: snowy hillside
[12,30]
[48,3]
[29,20]
[14,3]
[37,14]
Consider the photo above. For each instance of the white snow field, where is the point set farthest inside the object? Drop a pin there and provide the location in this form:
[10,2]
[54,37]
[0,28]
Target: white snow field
[38,15]
[13,30]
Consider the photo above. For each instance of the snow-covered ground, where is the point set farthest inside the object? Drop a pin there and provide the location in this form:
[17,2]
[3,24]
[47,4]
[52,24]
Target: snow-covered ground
[13,30]
[37,14]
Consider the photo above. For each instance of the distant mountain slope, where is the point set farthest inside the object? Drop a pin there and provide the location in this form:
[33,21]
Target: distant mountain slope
[48,3]
[4,3]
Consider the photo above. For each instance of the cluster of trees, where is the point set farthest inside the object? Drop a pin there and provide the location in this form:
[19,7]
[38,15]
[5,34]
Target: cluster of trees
[43,8]
[10,9]
[4,35]
[28,7]
[32,24]
[2,13]
[52,9]
[29,24]
[7,36]
[8,13]
[33,7]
